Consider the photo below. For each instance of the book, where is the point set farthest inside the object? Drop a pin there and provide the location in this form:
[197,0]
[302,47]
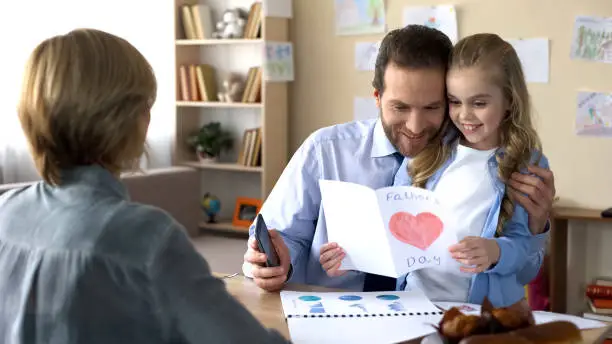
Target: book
[595,291]
[389,231]
[358,317]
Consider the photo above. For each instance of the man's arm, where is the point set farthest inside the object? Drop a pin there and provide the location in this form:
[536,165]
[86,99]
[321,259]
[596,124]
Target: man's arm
[292,208]
[522,244]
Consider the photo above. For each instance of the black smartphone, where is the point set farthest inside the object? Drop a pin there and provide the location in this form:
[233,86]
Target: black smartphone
[262,236]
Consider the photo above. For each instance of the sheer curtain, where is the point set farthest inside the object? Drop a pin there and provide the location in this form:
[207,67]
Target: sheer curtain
[148,25]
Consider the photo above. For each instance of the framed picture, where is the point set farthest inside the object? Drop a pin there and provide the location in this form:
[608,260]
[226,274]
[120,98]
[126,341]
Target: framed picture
[246,211]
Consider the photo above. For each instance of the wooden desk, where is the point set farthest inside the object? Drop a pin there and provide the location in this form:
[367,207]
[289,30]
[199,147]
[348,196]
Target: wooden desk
[558,251]
[267,307]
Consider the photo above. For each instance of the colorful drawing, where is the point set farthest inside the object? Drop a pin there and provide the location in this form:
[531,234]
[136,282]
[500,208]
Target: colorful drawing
[278,62]
[387,297]
[350,297]
[358,17]
[594,114]
[592,39]
[309,298]
[317,308]
[359,306]
[442,17]
[396,306]
[419,231]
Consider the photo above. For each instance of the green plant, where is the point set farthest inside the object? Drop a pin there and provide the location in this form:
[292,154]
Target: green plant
[211,140]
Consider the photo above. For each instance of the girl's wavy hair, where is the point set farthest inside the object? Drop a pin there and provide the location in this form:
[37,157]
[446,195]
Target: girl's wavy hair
[518,137]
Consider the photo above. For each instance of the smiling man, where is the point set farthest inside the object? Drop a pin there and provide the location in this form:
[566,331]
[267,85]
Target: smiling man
[410,91]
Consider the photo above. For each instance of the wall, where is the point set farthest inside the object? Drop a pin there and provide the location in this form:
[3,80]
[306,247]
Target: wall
[326,82]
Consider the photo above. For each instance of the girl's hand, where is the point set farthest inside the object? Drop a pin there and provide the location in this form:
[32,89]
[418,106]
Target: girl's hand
[330,257]
[475,253]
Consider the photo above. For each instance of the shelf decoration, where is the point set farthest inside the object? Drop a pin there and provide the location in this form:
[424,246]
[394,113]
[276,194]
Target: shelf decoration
[210,141]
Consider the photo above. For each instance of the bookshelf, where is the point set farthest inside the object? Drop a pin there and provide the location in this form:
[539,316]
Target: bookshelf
[230,178]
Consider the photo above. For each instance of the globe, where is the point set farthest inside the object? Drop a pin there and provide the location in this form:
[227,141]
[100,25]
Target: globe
[211,206]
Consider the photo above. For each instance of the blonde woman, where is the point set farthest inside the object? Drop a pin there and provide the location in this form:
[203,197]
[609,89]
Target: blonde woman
[79,262]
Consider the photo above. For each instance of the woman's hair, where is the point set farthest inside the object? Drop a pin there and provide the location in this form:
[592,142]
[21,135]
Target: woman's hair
[83,100]
[518,137]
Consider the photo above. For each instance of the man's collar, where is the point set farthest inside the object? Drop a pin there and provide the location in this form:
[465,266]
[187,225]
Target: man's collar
[381,146]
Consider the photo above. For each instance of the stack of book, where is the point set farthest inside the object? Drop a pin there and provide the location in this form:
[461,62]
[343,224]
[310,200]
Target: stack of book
[252,29]
[197,83]
[196,21]
[599,295]
[250,154]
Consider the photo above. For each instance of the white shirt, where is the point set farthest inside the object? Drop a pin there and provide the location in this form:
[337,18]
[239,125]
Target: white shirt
[468,192]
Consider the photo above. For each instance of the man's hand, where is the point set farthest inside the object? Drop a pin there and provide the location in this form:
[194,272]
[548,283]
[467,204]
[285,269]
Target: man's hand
[536,194]
[273,278]
[330,257]
[476,254]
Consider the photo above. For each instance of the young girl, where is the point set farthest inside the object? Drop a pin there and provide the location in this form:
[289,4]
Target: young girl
[489,105]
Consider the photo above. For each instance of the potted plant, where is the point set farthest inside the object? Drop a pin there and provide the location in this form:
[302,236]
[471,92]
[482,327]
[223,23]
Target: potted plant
[210,141]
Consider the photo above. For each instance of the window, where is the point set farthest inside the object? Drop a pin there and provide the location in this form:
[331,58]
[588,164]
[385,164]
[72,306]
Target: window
[148,25]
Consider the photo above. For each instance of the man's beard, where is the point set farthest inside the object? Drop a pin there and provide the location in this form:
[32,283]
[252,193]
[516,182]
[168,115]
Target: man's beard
[403,144]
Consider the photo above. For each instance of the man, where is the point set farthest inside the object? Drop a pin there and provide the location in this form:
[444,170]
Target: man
[409,86]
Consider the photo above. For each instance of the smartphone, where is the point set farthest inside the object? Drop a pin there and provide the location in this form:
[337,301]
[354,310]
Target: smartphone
[262,236]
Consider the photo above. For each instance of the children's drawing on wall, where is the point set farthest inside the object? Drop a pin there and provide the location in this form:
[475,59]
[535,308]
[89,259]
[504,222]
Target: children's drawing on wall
[592,39]
[594,114]
[360,17]
[278,61]
[442,17]
[365,55]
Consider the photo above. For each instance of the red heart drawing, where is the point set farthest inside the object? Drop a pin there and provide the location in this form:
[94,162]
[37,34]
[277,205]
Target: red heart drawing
[419,231]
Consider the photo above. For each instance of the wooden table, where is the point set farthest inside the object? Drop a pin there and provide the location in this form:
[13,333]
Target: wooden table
[558,251]
[267,307]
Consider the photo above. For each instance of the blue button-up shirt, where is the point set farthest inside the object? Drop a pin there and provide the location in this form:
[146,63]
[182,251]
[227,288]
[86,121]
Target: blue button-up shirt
[357,152]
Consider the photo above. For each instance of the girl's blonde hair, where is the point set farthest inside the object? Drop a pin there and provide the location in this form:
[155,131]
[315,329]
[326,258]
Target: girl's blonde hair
[83,100]
[518,137]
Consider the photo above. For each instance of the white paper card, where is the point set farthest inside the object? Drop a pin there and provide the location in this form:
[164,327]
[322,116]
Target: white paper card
[594,114]
[592,39]
[388,231]
[364,108]
[365,55]
[534,56]
[278,8]
[441,17]
[278,61]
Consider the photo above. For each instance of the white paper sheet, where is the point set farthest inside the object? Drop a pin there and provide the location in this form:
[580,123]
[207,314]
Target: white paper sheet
[358,317]
[364,108]
[385,304]
[592,39]
[594,114]
[365,55]
[360,17]
[441,17]
[358,330]
[278,61]
[534,56]
[278,8]
[389,231]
